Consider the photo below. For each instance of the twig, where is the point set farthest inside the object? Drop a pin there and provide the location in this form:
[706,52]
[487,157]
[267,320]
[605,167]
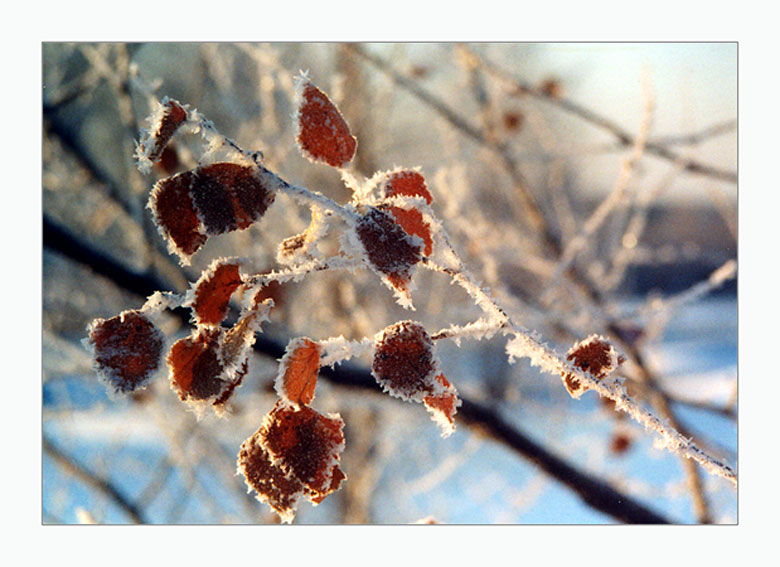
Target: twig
[623,137]
[99,483]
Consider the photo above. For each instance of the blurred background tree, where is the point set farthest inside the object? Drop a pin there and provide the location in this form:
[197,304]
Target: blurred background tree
[591,187]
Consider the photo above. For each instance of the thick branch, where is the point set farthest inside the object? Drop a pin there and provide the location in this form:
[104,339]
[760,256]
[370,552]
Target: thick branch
[594,492]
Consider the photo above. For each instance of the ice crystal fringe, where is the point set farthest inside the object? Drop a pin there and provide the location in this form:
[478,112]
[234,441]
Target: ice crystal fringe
[524,345]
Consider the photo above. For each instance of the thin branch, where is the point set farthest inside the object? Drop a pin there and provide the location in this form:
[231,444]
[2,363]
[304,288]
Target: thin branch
[623,137]
[99,483]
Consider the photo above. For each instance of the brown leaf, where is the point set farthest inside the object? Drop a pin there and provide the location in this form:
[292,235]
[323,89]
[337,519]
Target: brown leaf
[229,196]
[323,134]
[404,363]
[594,355]
[213,290]
[296,452]
[388,247]
[195,366]
[298,371]
[444,405]
[407,182]
[175,215]
[173,116]
[127,349]
[272,485]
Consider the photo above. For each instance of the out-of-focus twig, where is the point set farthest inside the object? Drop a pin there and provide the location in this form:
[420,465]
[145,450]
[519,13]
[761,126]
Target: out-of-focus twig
[623,137]
[101,484]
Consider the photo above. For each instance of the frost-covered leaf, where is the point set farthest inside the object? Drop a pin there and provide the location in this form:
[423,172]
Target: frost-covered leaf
[208,365]
[407,182]
[209,200]
[166,120]
[230,196]
[296,452]
[195,366]
[389,249]
[298,371]
[127,349]
[594,355]
[273,486]
[210,295]
[322,133]
[404,363]
[175,215]
[406,366]
[443,406]
[411,220]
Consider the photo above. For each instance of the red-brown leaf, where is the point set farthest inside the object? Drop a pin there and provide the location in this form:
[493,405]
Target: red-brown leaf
[306,444]
[411,220]
[404,363]
[229,196]
[444,405]
[388,247]
[272,485]
[196,370]
[323,134]
[407,182]
[213,291]
[175,214]
[127,349]
[298,371]
[594,355]
[173,116]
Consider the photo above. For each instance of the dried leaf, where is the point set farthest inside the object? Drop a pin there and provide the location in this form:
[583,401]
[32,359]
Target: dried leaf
[229,196]
[272,485]
[195,366]
[407,182]
[298,371]
[404,363]
[296,452]
[209,200]
[594,355]
[411,220]
[172,117]
[444,405]
[127,349]
[175,215]
[212,292]
[323,134]
[305,443]
[388,247]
